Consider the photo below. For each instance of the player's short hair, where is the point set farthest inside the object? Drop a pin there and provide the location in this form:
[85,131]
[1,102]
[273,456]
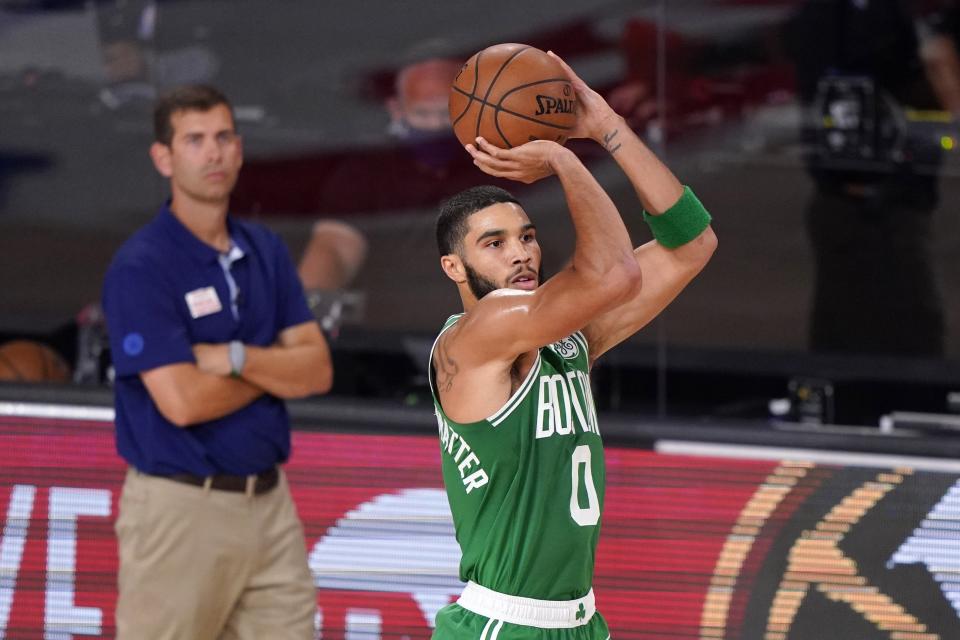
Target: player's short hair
[188,97]
[452,221]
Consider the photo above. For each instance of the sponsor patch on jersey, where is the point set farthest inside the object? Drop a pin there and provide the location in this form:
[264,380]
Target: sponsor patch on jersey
[203,302]
[566,348]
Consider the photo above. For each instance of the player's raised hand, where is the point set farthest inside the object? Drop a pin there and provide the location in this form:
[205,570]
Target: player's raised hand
[593,112]
[527,163]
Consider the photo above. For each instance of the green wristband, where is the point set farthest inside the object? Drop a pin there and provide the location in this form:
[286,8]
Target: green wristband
[681,223]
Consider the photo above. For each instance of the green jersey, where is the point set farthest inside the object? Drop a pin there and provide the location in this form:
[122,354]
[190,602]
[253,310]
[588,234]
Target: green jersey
[526,484]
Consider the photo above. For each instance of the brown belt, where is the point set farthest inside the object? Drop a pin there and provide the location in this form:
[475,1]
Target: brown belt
[262,482]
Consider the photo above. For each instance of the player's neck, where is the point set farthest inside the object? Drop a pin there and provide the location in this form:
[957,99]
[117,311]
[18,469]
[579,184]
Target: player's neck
[206,220]
[466,297]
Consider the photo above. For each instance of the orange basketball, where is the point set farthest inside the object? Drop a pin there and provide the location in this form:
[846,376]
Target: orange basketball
[29,361]
[511,94]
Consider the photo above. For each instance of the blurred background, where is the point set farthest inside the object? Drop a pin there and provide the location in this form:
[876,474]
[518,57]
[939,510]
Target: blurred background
[819,134]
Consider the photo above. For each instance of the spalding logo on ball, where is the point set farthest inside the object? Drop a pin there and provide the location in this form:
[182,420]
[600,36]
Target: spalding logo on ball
[511,94]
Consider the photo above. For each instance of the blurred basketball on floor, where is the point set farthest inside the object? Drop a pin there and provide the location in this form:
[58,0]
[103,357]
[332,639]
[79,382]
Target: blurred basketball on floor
[29,361]
[511,94]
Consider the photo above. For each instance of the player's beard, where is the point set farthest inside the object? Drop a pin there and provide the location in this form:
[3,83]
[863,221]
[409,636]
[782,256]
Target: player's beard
[481,286]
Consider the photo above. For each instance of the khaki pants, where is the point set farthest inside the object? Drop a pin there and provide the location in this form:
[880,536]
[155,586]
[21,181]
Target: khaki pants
[202,564]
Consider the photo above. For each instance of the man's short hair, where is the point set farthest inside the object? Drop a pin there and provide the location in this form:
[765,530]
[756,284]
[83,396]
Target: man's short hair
[189,97]
[452,221]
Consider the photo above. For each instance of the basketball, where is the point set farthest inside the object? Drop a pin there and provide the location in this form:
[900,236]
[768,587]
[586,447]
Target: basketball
[29,361]
[511,94]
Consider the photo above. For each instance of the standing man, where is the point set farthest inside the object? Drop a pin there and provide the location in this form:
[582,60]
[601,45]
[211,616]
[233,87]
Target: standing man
[878,70]
[521,451]
[209,332]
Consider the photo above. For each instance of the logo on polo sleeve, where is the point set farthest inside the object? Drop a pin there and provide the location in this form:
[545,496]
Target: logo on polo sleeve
[133,344]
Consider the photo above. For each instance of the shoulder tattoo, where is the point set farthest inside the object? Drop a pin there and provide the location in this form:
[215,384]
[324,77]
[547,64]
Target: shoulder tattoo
[446,367]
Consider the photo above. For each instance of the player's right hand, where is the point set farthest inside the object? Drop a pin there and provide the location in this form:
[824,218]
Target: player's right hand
[527,163]
[593,113]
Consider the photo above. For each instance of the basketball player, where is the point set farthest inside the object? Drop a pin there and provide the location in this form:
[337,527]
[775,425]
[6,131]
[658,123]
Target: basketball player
[521,450]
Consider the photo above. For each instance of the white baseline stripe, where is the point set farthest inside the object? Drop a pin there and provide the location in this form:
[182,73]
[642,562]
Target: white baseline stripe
[63,411]
[755,452]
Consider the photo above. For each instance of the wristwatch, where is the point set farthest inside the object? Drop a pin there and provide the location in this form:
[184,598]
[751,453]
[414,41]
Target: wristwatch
[238,357]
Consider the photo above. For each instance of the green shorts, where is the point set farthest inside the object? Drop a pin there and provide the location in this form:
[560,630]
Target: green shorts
[456,623]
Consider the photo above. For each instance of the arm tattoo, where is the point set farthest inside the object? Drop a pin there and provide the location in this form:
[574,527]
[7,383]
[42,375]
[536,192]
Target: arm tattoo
[608,141]
[447,367]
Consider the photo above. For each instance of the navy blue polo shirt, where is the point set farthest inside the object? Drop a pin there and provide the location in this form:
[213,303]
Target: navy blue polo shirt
[166,291]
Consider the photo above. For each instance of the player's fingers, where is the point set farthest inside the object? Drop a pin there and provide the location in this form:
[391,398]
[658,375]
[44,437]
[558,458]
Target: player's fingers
[494,151]
[518,176]
[496,156]
[495,164]
[489,170]
[478,155]
[574,78]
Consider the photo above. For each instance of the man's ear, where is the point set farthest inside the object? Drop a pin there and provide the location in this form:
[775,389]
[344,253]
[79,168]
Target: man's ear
[240,147]
[452,265]
[160,154]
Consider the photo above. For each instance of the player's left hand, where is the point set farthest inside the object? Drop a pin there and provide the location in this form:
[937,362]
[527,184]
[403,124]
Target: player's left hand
[594,115]
[527,163]
[213,358]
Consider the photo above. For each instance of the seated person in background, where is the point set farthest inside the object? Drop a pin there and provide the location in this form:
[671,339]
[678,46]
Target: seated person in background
[329,263]
[422,165]
[333,256]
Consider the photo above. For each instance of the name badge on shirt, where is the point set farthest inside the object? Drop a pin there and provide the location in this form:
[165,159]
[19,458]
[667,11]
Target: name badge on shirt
[203,302]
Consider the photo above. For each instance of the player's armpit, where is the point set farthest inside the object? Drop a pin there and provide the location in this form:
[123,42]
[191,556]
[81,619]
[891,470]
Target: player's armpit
[666,272]
[507,322]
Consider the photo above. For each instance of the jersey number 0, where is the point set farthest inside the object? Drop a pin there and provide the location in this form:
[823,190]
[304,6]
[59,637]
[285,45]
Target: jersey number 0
[589,516]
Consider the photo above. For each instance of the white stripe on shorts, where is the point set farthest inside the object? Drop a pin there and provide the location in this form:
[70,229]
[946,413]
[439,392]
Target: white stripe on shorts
[483,635]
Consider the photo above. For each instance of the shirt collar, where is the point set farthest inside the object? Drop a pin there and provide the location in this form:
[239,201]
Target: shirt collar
[232,255]
[194,246]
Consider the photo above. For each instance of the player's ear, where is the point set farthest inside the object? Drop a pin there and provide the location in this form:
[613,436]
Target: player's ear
[452,265]
[160,154]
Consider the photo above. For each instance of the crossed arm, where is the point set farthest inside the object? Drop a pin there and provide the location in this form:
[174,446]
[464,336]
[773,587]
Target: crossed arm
[190,393]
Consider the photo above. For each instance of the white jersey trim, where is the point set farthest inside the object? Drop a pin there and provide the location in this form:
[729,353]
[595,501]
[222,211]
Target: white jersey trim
[503,412]
[517,396]
[578,335]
